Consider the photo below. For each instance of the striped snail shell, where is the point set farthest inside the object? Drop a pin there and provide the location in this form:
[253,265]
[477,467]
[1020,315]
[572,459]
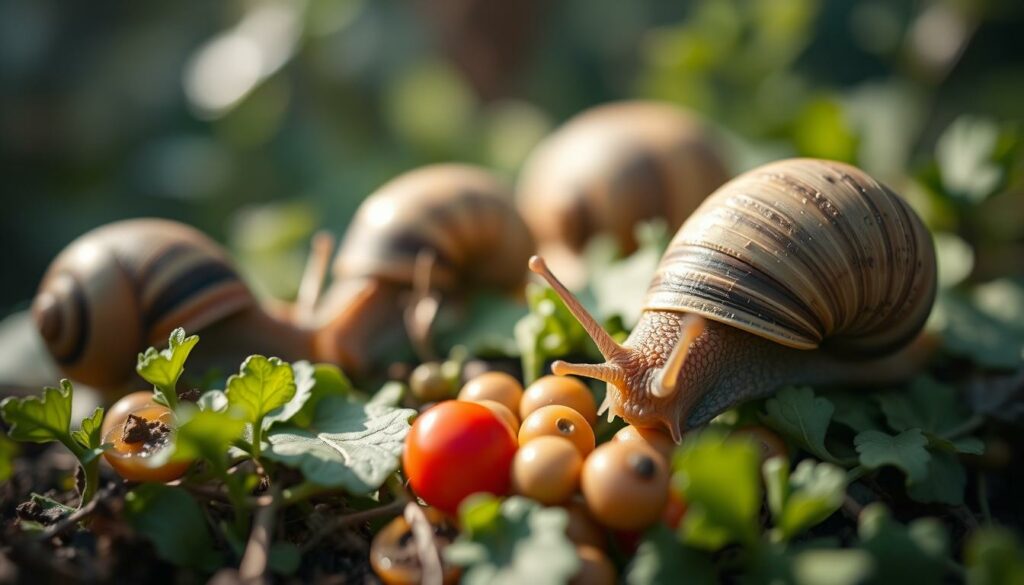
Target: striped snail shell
[616,165]
[125,286]
[800,271]
[461,215]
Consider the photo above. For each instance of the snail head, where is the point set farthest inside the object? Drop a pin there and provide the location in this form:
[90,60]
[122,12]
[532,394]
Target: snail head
[643,381]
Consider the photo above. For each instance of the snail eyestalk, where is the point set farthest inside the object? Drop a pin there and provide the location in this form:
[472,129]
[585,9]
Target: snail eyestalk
[668,376]
[605,344]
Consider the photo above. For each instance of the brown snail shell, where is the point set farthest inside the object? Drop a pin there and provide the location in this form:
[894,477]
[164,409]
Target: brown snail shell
[125,286]
[788,258]
[616,165]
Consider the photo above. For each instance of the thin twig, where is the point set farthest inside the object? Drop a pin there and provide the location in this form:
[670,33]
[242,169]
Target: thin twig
[431,572]
[392,509]
[852,507]
[74,517]
[312,282]
[253,568]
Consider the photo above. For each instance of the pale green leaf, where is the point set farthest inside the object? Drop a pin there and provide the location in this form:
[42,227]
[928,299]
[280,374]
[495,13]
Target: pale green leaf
[903,554]
[832,567]
[348,445]
[718,478]
[799,414]
[261,386]
[994,556]
[304,381]
[163,368]
[41,420]
[816,492]
[526,543]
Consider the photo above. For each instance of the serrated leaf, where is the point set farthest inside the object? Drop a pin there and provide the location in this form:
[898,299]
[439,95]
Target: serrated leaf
[163,368]
[906,451]
[261,386]
[304,380]
[803,417]
[348,445]
[41,420]
[661,560]
[213,400]
[88,436]
[620,284]
[966,154]
[173,521]
[856,411]
[549,331]
[526,543]
[816,492]
[718,478]
[926,405]
[990,340]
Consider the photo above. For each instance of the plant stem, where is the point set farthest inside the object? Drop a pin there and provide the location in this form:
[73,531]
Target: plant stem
[301,492]
[856,473]
[967,427]
[257,438]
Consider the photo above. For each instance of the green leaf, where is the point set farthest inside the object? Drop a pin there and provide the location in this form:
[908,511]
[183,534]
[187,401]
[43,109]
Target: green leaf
[172,520]
[966,154]
[49,509]
[526,543]
[832,567]
[163,368]
[926,405]
[207,435]
[348,445]
[8,451]
[989,338]
[905,451]
[718,478]
[549,331]
[304,381]
[903,554]
[41,420]
[261,386]
[88,436]
[856,411]
[328,380]
[661,560]
[620,285]
[816,492]
[994,556]
[945,481]
[803,417]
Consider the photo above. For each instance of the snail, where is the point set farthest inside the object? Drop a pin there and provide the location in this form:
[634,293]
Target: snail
[125,286]
[798,272]
[611,167]
[438,231]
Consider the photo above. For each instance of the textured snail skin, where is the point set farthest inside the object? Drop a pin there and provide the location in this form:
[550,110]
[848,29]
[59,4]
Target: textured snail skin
[798,272]
[613,166]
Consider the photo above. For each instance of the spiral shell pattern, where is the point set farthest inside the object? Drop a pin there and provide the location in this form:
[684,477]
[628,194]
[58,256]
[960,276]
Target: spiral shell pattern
[806,253]
[125,286]
[460,214]
[616,165]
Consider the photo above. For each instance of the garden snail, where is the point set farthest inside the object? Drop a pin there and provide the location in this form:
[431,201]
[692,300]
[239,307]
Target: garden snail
[457,216]
[125,286]
[798,272]
[613,166]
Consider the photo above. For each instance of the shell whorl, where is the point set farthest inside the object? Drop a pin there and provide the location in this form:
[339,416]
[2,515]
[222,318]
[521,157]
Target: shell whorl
[125,286]
[461,214]
[805,253]
[613,166]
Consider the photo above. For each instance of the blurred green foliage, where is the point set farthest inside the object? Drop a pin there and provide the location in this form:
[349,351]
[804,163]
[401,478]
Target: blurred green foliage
[260,121]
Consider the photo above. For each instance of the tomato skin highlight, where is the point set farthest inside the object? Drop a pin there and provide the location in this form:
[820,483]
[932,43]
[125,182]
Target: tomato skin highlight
[456,449]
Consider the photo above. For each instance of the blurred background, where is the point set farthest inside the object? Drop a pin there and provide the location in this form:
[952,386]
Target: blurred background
[260,121]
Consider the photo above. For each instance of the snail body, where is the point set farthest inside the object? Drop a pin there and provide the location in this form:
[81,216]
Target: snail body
[125,286]
[800,271]
[613,166]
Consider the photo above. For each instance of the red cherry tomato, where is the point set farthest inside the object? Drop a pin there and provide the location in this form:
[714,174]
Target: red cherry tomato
[456,449]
